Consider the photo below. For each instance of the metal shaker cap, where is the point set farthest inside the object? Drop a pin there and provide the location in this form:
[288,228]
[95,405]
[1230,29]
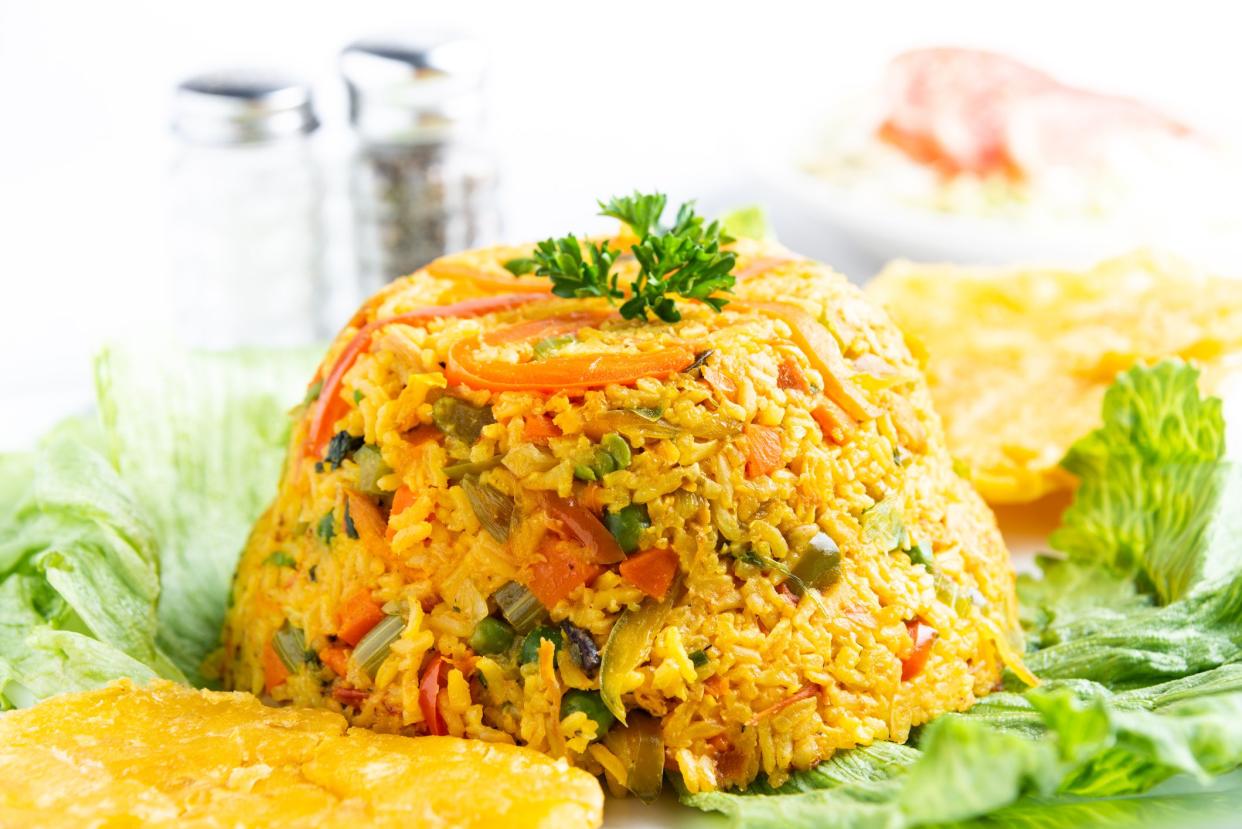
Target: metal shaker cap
[414,88]
[242,106]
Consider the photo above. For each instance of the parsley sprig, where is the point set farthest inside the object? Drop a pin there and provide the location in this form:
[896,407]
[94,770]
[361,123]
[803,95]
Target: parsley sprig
[683,260]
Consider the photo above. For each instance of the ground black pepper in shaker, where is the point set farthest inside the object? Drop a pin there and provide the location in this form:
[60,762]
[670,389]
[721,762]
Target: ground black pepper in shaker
[422,180]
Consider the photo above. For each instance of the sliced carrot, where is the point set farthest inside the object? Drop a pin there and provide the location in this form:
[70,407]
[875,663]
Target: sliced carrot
[923,636]
[764,448]
[565,567]
[427,433]
[401,499]
[372,529]
[761,265]
[461,272]
[718,380]
[336,658]
[548,327]
[540,428]
[585,527]
[825,355]
[357,616]
[833,421]
[274,671]
[429,697]
[790,376]
[330,406]
[366,517]
[806,692]
[651,571]
[572,373]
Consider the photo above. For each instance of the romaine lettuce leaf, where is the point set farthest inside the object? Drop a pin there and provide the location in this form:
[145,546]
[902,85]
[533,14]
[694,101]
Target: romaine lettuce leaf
[1149,479]
[199,439]
[118,536]
[750,222]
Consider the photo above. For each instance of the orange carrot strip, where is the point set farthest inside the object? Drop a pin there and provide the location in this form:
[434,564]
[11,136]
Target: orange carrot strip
[460,272]
[274,671]
[401,499]
[833,421]
[565,567]
[372,528]
[548,327]
[806,692]
[330,407]
[540,428]
[763,454]
[824,353]
[336,658]
[574,373]
[790,376]
[651,571]
[761,265]
[357,616]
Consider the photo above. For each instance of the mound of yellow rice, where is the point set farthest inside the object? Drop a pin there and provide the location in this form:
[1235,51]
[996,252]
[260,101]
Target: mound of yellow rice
[749,517]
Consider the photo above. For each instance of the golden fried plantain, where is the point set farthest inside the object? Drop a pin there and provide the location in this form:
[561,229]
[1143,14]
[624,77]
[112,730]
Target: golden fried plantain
[1018,359]
[164,755]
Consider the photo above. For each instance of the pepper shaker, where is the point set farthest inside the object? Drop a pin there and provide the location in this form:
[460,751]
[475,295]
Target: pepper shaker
[245,222]
[423,182]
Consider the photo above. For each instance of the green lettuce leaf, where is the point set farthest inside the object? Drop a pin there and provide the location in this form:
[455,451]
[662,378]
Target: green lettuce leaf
[1145,477]
[199,439]
[118,535]
[1136,630]
[750,222]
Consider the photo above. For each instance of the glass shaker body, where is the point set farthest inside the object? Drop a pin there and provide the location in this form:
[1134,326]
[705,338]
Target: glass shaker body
[423,179]
[246,239]
[415,202]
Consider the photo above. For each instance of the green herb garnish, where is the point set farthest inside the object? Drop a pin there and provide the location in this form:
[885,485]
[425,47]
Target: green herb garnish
[326,528]
[280,559]
[682,260]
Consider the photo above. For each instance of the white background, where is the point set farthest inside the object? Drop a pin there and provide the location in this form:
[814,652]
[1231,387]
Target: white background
[587,99]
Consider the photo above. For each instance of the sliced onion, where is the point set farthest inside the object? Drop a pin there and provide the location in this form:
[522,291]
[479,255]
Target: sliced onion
[373,649]
[519,607]
[492,507]
[645,772]
[290,645]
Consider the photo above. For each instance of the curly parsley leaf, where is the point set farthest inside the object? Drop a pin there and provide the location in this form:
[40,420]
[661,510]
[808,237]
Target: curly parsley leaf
[683,260]
[640,211]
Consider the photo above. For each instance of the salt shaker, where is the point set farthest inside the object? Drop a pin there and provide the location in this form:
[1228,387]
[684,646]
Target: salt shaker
[423,182]
[245,214]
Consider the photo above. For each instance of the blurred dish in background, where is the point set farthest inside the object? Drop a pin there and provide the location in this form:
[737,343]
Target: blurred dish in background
[245,224]
[971,156]
[422,181]
[1018,359]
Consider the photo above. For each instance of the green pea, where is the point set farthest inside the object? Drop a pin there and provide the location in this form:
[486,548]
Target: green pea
[921,553]
[589,703]
[491,636]
[627,525]
[530,645]
[617,449]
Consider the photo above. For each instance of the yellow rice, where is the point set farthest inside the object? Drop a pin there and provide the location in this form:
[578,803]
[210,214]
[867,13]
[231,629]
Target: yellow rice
[739,715]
